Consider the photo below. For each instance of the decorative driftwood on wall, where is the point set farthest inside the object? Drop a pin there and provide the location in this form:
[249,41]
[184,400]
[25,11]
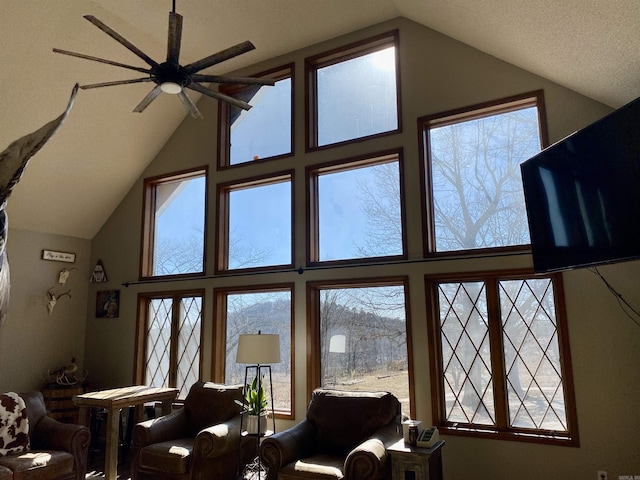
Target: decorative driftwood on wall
[13,161]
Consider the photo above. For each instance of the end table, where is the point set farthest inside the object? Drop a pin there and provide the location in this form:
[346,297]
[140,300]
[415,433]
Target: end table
[416,463]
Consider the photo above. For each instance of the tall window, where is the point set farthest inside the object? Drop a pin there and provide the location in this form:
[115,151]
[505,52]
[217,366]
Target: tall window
[356,209]
[255,223]
[474,195]
[174,224]
[354,92]
[168,339]
[358,337]
[265,309]
[264,131]
[504,368]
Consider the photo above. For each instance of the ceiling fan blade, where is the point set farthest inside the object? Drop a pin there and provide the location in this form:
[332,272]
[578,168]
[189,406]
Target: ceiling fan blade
[101,60]
[151,96]
[189,105]
[219,57]
[119,38]
[175,37]
[226,79]
[117,82]
[219,96]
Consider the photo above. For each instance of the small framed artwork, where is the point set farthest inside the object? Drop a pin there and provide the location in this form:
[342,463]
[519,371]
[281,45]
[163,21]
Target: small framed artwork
[55,256]
[108,304]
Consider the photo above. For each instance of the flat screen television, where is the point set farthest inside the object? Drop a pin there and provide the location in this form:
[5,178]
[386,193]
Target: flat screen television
[582,195]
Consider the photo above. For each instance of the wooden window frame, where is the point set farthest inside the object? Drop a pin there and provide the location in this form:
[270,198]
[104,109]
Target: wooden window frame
[313,172]
[222,221]
[224,134]
[501,430]
[333,57]
[147,245]
[313,327]
[140,357]
[451,117]
[220,333]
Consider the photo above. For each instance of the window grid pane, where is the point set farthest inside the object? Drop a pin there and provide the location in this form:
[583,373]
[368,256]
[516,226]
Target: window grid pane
[363,340]
[466,356]
[359,212]
[357,97]
[179,226]
[188,365]
[477,196]
[158,343]
[267,312]
[260,226]
[532,355]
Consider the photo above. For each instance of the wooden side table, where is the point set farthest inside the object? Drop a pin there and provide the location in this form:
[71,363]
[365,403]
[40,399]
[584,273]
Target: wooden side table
[416,463]
[58,400]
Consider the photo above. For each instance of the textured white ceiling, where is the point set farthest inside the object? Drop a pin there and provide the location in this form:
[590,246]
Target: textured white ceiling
[73,185]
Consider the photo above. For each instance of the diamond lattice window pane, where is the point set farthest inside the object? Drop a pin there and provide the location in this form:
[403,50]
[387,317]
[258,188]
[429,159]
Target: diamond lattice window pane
[532,355]
[158,343]
[468,381]
[188,364]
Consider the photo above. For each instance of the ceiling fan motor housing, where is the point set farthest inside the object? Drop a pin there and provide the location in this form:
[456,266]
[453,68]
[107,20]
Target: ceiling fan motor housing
[170,72]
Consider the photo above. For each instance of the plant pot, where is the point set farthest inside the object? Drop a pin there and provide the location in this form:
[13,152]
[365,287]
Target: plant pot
[252,423]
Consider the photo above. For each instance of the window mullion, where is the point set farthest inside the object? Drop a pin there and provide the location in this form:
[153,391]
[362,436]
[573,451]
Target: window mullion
[497,356]
[173,344]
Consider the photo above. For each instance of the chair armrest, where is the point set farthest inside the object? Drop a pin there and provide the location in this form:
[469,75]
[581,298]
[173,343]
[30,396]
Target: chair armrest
[369,459]
[161,429]
[284,447]
[217,440]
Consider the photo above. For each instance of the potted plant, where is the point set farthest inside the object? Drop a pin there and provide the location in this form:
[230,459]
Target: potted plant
[254,406]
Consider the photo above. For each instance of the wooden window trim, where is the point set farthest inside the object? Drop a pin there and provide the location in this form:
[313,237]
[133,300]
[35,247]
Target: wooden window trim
[147,247]
[313,327]
[220,333]
[459,115]
[311,203]
[500,431]
[224,135]
[338,55]
[222,221]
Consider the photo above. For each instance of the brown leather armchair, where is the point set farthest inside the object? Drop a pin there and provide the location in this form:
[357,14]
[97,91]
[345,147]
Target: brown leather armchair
[58,451]
[198,441]
[345,435]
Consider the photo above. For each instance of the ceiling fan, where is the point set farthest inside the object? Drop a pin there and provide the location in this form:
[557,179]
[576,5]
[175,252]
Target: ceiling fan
[171,77]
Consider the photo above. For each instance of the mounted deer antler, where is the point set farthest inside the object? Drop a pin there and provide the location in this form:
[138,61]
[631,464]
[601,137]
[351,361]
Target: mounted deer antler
[52,299]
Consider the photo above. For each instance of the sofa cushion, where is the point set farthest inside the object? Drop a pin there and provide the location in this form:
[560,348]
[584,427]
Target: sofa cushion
[211,403]
[5,473]
[317,467]
[38,465]
[344,419]
[171,457]
[14,424]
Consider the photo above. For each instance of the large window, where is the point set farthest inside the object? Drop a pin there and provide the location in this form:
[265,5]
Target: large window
[174,224]
[356,209]
[358,337]
[255,223]
[264,131]
[474,196]
[264,309]
[354,92]
[168,340]
[501,356]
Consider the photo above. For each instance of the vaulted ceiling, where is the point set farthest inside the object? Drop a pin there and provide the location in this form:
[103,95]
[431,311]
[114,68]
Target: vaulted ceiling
[73,184]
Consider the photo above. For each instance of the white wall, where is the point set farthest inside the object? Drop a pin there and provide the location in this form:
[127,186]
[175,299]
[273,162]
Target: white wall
[31,340]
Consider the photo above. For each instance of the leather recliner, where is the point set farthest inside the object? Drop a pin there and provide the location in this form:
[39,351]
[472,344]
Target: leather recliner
[345,435]
[199,441]
[58,451]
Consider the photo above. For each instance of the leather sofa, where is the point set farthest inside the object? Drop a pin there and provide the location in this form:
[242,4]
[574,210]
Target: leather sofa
[345,435]
[199,441]
[58,451]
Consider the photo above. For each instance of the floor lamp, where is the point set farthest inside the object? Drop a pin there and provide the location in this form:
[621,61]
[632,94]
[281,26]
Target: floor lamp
[259,351]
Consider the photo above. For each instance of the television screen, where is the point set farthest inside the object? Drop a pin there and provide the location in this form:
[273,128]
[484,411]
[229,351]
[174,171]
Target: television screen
[583,195]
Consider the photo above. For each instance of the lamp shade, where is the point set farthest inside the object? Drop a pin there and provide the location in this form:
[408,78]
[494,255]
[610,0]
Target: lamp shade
[259,349]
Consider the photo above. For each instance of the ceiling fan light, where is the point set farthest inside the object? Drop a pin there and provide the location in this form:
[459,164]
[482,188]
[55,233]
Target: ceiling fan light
[171,87]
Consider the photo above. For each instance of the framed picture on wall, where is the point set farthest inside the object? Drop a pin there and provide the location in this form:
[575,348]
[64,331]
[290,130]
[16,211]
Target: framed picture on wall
[108,304]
